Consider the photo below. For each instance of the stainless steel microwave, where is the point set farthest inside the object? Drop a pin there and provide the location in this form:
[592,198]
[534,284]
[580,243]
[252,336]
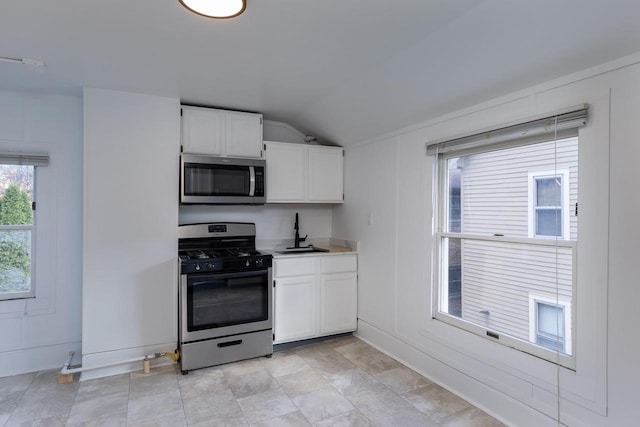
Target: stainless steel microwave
[222,180]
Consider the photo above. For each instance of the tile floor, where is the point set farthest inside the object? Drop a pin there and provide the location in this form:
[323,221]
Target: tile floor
[339,382]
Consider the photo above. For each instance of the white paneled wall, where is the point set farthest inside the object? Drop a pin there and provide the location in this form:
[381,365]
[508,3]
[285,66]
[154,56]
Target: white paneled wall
[38,333]
[371,185]
[388,208]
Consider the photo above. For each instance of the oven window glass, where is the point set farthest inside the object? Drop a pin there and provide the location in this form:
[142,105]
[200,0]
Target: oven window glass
[216,180]
[215,301]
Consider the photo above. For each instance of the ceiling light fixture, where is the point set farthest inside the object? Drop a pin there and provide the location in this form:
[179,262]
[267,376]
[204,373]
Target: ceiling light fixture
[219,9]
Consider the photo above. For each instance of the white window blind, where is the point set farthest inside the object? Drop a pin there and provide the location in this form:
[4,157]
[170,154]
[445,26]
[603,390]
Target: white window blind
[28,159]
[562,124]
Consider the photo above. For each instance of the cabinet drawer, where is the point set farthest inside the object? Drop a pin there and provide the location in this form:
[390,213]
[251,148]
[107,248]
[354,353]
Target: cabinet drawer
[339,263]
[295,266]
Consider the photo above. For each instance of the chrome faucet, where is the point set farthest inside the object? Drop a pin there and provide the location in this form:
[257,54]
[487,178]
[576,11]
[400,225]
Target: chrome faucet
[296,242]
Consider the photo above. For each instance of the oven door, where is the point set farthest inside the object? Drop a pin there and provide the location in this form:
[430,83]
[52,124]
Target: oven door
[220,304]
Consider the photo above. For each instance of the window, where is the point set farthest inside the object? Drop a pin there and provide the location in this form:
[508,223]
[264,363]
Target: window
[505,232]
[17,231]
[550,326]
[549,204]
[17,224]
[550,323]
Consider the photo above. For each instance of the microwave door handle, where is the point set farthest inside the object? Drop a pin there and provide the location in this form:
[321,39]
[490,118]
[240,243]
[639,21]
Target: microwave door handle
[252,181]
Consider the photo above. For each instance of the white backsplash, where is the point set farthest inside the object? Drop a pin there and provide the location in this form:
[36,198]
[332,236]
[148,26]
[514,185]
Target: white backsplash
[273,222]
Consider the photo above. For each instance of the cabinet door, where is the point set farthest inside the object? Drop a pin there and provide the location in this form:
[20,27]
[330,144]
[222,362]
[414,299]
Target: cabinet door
[296,309]
[202,131]
[338,303]
[325,174]
[286,171]
[244,135]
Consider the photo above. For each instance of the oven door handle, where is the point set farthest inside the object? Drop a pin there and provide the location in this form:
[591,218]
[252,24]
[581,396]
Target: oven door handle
[236,275]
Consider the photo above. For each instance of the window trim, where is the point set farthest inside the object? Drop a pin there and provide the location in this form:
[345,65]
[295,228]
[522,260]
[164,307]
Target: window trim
[585,387]
[565,207]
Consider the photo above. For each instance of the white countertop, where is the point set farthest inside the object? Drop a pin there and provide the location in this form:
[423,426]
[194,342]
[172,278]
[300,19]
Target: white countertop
[307,254]
[273,247]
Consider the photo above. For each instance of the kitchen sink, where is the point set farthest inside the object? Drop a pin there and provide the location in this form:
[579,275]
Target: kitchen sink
[303,250]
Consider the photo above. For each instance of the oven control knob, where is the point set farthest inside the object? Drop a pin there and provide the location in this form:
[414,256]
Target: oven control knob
[210,266]
[259,261]
[197,267]
[247,263]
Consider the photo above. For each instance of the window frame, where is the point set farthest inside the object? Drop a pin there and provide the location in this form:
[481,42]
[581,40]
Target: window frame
[564,200]
[8,296]
[441,197]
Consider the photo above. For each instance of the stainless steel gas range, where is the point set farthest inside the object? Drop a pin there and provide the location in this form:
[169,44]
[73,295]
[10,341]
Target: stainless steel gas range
[225,295]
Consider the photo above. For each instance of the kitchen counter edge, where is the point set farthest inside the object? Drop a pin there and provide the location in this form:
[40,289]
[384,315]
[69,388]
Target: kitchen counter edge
[277,255]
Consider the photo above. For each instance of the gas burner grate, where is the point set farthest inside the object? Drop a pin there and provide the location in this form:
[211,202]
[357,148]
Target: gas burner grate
[202,254]
[240,252]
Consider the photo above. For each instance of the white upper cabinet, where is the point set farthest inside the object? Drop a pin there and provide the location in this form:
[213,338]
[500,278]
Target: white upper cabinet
[203,131]
[298,173]
[221,133]
[286,172]
[244,134]
[325,174]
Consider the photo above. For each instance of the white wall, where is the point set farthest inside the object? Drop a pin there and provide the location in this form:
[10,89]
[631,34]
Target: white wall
[38,333]
[279,131]
[130,245]
[393,224]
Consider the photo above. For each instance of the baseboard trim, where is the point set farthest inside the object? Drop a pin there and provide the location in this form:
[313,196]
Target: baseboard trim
[101,358]
[35,359]
[512,412]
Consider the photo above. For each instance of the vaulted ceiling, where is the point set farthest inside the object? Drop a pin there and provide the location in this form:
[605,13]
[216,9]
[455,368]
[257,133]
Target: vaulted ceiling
[342,70]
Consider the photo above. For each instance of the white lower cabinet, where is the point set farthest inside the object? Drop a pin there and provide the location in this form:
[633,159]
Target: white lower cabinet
[338,302]
[296,308]
[314,296]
